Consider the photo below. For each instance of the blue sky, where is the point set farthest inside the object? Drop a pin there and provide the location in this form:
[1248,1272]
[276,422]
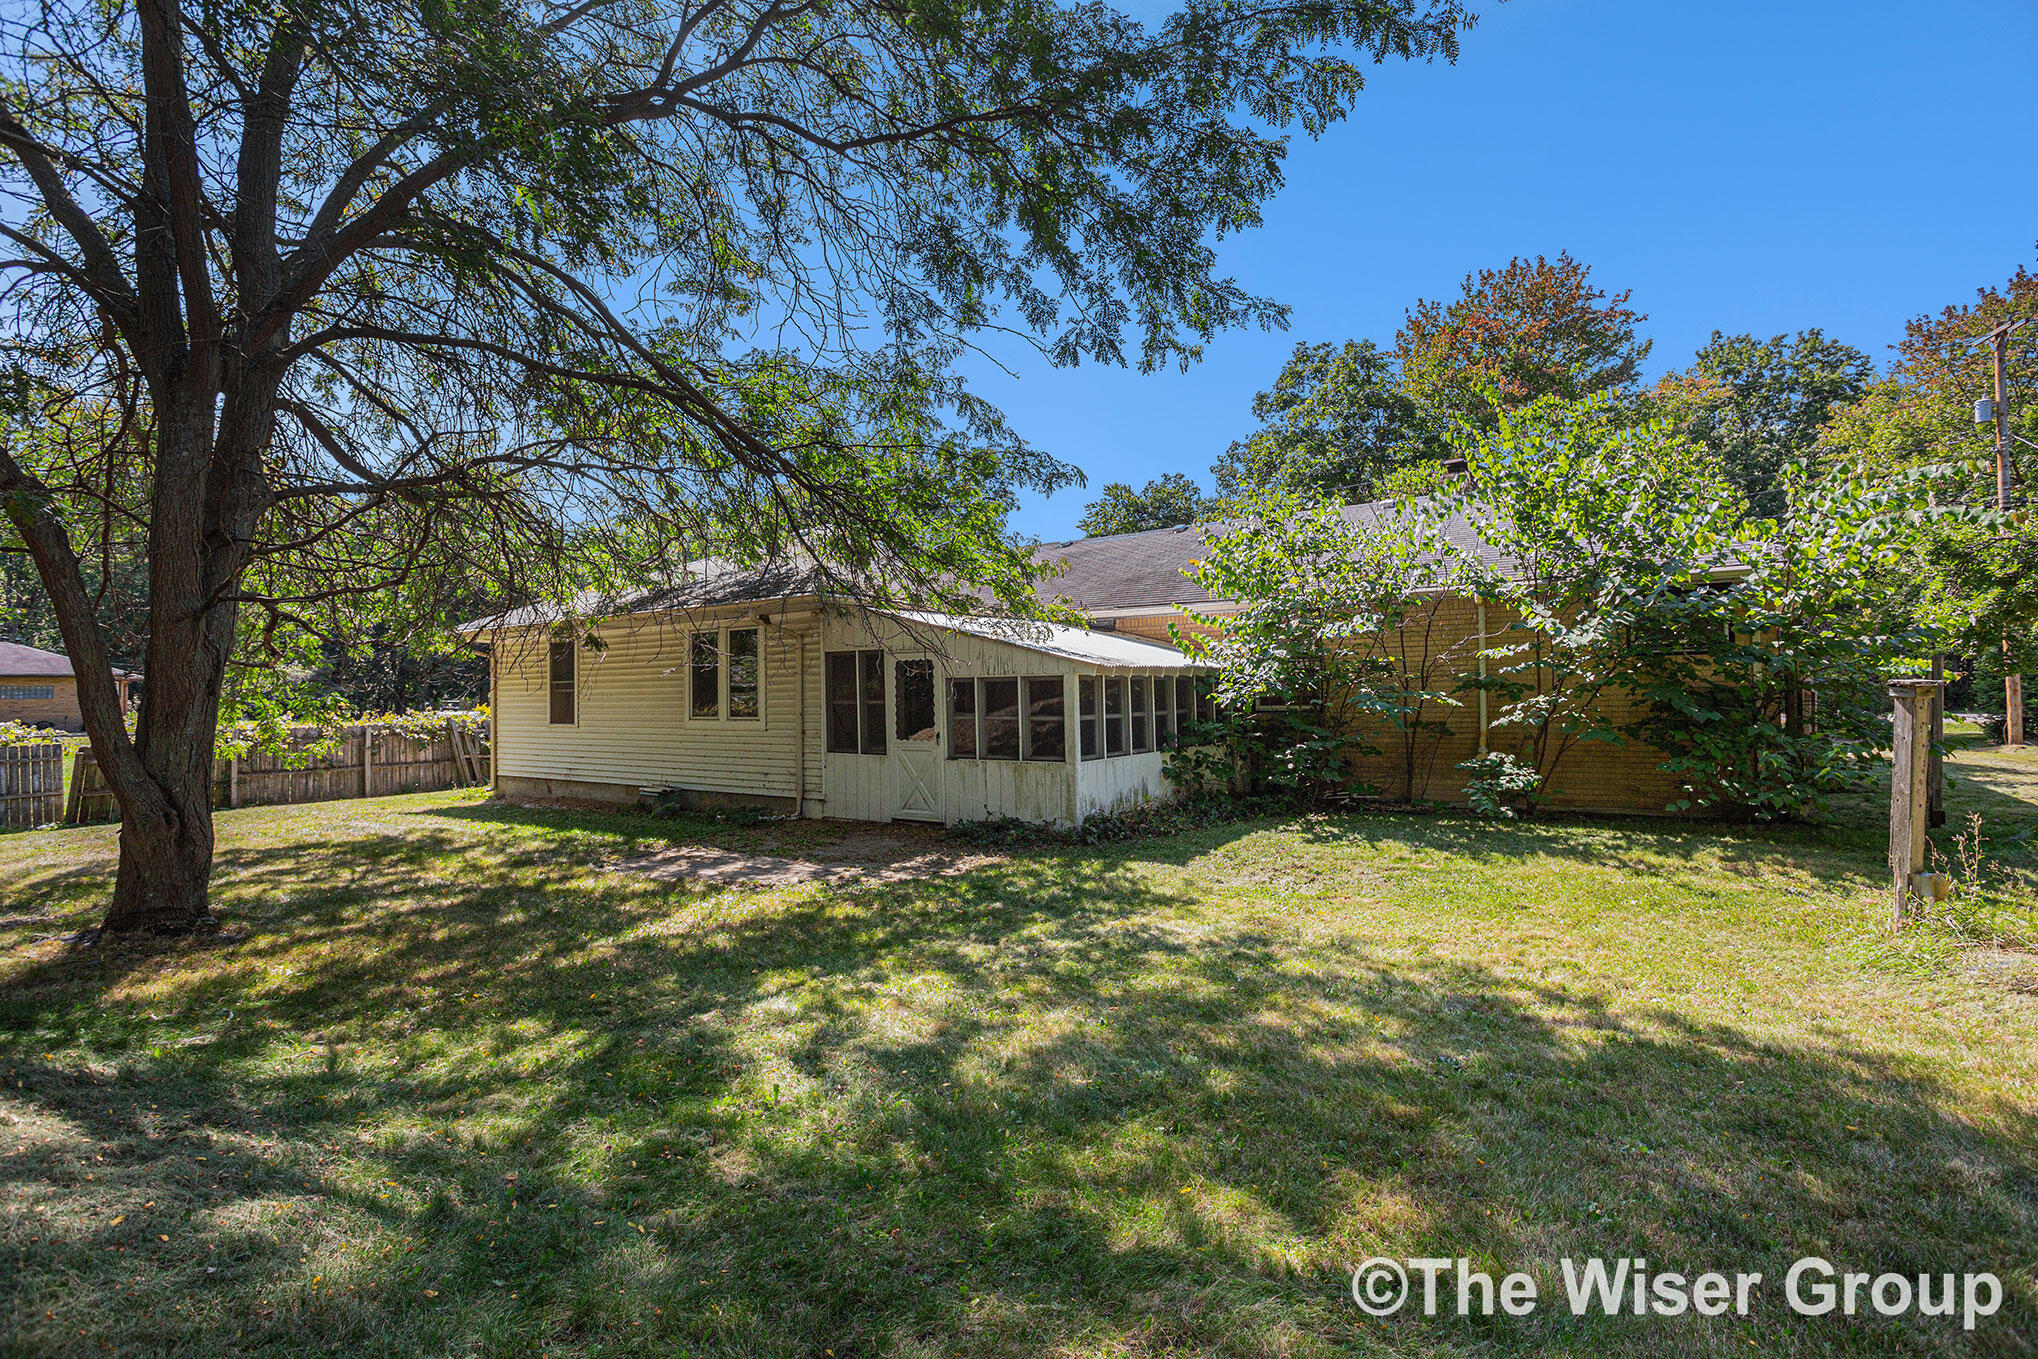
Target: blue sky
[1740,166]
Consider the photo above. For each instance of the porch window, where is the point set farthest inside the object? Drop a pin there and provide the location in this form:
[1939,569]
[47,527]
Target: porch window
[1086,715]
[1046,726]
[840,685]
[1164,713]
[1001,719]
[853,684]
[913,697]
[704,675]
[1185,701]
[962,719]
[744,688]
[1142,713]
[561,679]
[1114,714]
[871,690]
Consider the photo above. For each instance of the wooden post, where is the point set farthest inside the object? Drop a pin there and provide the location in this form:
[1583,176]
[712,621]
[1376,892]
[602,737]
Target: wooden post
[1935,770]
[74,805]
[2013,710]
[233,780]
[367,760]
[458,756]
[1908,800]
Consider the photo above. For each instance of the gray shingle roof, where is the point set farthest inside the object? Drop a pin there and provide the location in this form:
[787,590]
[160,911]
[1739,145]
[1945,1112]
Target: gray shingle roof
[17,660]
[1132,570]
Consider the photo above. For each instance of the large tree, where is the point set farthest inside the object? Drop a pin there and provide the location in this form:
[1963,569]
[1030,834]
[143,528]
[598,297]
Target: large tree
[1759,405]
[1535,328]
[690,269]
[1168,501]
[1335,422]
[1982,569]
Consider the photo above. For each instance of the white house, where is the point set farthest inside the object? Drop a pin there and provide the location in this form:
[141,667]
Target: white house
[747,690]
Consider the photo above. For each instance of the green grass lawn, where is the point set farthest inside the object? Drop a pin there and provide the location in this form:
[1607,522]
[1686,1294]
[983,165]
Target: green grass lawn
[459,1087]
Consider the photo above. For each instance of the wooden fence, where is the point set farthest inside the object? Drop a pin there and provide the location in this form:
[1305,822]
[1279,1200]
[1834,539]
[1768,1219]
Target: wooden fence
[31,784]
[361,762]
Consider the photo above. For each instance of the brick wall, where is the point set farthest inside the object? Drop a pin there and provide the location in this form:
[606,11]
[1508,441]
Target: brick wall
[1436,650]
[59,710]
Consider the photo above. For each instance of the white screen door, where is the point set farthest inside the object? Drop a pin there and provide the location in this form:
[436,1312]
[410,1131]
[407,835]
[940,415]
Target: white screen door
[916,741]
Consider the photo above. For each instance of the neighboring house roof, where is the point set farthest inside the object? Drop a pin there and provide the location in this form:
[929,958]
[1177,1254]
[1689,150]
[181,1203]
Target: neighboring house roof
[1057,639]
[21,662]
[1131,572]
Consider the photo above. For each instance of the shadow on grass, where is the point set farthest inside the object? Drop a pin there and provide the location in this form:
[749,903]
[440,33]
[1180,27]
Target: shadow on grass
[449,1096]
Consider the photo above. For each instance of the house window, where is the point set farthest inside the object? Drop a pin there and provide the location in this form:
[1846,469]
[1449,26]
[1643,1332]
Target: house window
[561,666]
[854,685]
[1086,715]
[871,692]
[840,684]
[1114,714]
[704,675]
[29,691]
[1185,701]
[962,719]
[744,686]
[1164,713]
[1001,719]
[913,692]
[1046,726]
[1142,713]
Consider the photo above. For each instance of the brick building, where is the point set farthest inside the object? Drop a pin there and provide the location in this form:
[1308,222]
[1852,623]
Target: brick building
[40,689]
[1139,583]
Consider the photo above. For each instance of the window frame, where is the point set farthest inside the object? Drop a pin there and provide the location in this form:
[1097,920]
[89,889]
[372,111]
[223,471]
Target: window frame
[1089,720]
[553,648]
[861,661]
[27,693]
[719,637]
[964,685]
[1026,721]
[1018,755]
[1116,687]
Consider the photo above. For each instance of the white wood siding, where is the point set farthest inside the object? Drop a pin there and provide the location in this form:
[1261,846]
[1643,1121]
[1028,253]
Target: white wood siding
[632,726]
[631,722]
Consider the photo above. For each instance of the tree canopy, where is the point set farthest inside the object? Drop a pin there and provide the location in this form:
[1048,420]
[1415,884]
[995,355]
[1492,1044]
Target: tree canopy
[1335,422]
[1759,405]
[1167,501]
[1531,329]
[564,294]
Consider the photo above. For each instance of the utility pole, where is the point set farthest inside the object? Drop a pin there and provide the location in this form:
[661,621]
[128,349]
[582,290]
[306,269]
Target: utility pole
[2013,685]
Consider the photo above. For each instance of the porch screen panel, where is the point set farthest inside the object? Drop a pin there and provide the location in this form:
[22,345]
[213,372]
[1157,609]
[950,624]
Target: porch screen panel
[1142,713]
[840,685]
[962,719]
[914,699]
[1001,719]
[871,668]
[1086,715]
[1185,700]
[1046,723]
[1164,713]
[1114,714]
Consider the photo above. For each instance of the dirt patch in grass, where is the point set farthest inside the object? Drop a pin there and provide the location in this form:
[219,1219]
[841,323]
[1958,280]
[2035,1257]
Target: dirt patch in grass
[859,858]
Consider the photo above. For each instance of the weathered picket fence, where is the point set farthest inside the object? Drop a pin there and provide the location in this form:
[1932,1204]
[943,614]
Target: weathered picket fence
[362,761]
[31,784]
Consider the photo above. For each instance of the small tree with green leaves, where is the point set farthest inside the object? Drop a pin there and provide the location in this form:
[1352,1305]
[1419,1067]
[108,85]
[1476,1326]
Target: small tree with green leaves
[1592,526]
[1310,662]
[1767,691]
